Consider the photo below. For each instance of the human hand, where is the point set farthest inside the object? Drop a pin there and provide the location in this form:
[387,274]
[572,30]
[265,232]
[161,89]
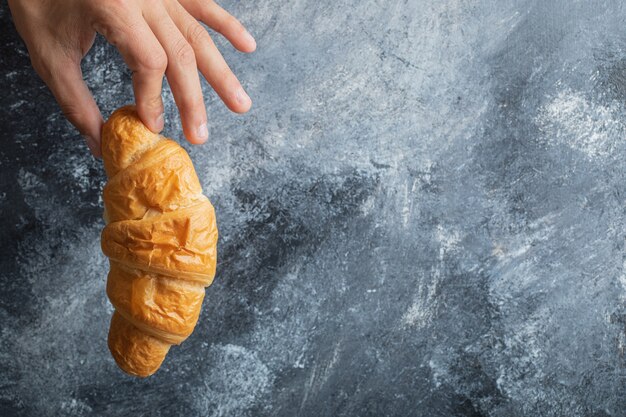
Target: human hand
[155,37]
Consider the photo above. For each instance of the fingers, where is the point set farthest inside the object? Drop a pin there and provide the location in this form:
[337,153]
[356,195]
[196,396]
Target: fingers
[221,21]
[210,61]
[65,80]
[182,74]
[165,39]
[146,58]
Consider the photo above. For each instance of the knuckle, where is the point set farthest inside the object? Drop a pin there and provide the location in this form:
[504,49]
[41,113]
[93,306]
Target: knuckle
[196,34]
[71,111]
[152,103]
[232,23]
[109,11]
[184,54]
[225,77]
[192,105]
[155,61]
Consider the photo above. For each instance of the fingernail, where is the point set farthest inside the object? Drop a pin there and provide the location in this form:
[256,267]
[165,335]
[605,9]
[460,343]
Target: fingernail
[203,132]
[160,122]
[242,98]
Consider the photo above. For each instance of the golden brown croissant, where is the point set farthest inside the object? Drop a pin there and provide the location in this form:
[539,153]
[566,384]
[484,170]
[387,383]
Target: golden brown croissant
[160,238]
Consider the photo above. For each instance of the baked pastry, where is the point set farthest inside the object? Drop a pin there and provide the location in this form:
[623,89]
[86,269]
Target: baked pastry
[161,239]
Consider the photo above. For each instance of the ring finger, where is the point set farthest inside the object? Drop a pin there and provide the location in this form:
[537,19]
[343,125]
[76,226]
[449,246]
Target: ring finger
[210,61]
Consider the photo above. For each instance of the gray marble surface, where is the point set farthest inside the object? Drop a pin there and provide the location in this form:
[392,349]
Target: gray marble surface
[422,215]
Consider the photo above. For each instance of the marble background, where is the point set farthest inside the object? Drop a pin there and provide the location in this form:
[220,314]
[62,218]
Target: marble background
[423,214]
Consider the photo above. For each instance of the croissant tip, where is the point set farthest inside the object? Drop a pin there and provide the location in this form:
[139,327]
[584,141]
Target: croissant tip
[135,352]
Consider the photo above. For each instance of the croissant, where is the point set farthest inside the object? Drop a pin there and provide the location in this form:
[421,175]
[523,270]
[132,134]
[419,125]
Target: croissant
[161,239]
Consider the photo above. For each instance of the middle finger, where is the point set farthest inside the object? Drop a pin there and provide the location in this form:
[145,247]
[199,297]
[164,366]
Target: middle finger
[210,61]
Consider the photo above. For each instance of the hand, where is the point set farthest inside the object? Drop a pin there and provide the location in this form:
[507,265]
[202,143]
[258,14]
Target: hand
[155,37]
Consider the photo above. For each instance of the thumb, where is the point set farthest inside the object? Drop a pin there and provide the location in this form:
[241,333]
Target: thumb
[65,80]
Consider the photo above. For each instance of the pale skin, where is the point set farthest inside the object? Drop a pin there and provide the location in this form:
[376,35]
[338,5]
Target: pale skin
[156,38]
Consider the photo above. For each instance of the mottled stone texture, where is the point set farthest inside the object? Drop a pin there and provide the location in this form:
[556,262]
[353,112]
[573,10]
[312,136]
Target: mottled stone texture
[423,214]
